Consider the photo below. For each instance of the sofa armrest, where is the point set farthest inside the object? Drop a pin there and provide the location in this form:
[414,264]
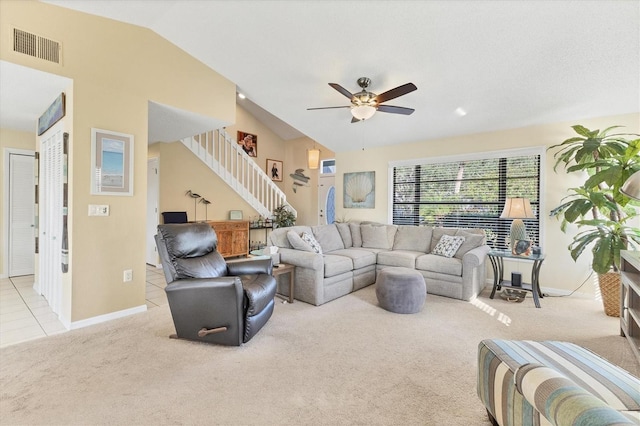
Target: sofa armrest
[561,401]
[475,257]
[249,267]
[302,259]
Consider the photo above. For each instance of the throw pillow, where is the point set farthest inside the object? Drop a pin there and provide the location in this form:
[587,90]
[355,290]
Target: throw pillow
[309,239]
[298,243]
[448,246]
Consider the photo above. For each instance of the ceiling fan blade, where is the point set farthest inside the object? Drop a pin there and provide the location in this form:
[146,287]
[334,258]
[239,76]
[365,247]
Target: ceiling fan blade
[342,90]
[346,106]
[395,109]
[394,93]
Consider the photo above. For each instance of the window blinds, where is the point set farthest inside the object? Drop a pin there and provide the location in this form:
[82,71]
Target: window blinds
[468,194]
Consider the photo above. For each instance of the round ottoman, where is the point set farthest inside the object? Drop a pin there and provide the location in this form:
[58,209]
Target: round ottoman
[401,290]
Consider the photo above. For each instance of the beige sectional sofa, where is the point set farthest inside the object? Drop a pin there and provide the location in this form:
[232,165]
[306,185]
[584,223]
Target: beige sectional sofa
[352,253]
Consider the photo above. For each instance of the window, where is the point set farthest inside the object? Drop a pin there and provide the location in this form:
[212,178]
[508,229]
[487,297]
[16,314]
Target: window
[468,192]
[327,167]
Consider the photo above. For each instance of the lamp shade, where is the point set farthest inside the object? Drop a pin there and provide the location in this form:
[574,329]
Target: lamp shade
[313,158]
[517,208]
[363,112]
[631,187]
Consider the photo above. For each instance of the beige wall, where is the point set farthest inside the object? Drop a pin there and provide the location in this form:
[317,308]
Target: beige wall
[116,69]
[559,271]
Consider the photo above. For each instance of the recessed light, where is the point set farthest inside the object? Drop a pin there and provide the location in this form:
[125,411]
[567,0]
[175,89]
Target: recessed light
[241,96]
[461,112]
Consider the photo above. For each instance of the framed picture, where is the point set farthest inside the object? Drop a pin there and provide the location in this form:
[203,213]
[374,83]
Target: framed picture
[359,190]
[235,214]
[274,169]
[111,163]
[522,248]
[52,115]
[249,143]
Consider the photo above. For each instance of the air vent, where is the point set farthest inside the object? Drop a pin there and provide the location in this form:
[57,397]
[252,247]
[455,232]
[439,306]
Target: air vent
[36,46]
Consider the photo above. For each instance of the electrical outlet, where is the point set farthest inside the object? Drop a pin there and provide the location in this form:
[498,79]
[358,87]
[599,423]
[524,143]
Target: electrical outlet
[127,275]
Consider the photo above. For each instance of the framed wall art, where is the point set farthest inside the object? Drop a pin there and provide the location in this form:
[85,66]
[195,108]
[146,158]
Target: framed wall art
[111,163]
[359,190]
[52,115]
[274,169]
[249,143]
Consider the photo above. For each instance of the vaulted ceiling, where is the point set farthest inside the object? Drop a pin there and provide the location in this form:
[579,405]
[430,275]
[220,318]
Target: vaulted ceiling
[507,64]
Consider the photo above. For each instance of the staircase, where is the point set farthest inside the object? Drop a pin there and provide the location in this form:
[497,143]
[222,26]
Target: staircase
[227,159]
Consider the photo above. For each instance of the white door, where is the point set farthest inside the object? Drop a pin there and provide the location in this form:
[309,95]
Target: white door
[153,194]
[49,280]
[326,199]
[21,219]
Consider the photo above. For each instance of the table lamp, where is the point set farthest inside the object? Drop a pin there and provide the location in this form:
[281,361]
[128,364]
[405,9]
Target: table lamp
[631,187]
[517,209]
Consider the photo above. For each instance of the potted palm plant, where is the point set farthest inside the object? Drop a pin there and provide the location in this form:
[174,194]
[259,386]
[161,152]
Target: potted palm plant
[597,207]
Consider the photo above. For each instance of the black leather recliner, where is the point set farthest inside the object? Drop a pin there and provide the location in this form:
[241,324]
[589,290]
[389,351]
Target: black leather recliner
[211,300]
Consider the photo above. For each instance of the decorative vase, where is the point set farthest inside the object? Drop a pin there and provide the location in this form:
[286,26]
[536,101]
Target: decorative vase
[610,293]
[518,232]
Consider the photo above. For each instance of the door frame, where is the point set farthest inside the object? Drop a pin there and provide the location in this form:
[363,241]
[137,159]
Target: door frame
[7,152]
[150,214]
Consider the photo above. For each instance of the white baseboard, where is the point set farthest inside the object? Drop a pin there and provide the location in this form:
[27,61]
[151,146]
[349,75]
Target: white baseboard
[104,318]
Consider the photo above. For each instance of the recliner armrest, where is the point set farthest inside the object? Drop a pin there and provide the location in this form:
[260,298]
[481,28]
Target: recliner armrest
[249,267]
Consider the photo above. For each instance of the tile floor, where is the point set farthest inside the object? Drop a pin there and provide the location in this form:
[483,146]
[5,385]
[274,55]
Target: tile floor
[25,315]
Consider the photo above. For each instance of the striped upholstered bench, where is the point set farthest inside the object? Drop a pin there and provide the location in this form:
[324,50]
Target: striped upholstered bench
[553,383]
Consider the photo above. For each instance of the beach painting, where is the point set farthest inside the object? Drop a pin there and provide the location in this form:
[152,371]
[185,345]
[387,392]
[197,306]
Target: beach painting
[112,155]
[112,167]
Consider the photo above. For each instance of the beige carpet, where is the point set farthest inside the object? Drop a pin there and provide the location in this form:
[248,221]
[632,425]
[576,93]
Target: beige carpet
[347,362]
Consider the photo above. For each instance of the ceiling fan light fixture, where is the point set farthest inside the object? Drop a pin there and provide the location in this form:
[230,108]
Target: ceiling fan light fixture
[363,112]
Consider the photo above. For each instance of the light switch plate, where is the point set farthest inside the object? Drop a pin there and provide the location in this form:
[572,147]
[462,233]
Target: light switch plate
[98,210]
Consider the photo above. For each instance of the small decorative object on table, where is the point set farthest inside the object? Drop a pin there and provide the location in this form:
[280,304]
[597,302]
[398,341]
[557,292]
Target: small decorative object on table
[522,248]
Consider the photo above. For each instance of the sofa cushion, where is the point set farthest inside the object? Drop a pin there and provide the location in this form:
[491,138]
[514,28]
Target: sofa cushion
[356,235]
[447,246]
[298,243]
[345,234]
[278,237]
[413,238]
[336,265]
[360,258]
[439,264]
[328,237]
[471,240]
[378,236]
[403,258]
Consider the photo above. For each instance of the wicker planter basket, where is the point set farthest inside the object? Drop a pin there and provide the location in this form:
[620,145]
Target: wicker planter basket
[610,292]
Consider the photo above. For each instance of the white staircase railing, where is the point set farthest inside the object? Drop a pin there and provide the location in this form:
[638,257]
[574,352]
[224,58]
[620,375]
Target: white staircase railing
[228,160]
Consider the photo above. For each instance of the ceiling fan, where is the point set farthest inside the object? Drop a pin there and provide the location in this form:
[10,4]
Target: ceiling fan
[364,103]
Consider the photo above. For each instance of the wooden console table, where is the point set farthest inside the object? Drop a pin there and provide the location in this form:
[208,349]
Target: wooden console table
[630,299]
[233,237]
